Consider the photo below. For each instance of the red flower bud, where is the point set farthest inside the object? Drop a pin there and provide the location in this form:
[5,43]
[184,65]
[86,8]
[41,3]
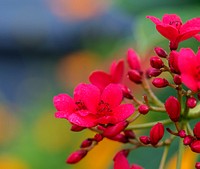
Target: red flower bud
[156,62]
[76,128]
[76,156]
[173,108]
[113,130]
[156,133]
[188,140]
[173,62]
[191,102]
[197,165]
[177,79]
[145,140]
[160,82]
[98,137]
[135,76]
[120,138]
[133,60]
[182,133]
[129,134]
[152,72]
[86,143]
[160,52]
[126,92]
[195,146]
[196,130]
[143,109]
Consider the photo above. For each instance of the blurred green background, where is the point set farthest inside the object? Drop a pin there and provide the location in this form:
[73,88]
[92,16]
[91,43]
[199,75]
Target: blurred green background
[49,46]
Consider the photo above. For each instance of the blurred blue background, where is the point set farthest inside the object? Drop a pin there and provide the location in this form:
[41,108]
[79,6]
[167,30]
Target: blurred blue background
[48,47]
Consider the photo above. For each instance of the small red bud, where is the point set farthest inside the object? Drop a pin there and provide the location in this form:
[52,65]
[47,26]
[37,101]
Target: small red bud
[191,102]
[126,92]
[76,156]
[173,62]
[76,128]
[156,62]
[196,130]
[130,134]
[188,140]
[120,138]
[86,143]
[197,165]
[135,76]
[173,108]
[195,146]
[113,130]
[177,80]
[143,109]
[98,137]
[145,140]
[152,72]
[182,133]
[156,133]
[160,52]
[160,82]
[133,60]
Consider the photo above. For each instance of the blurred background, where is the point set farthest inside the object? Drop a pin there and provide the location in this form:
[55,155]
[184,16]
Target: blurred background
[48,47]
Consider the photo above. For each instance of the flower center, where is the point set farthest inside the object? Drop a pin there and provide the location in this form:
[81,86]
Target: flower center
[103,109]
[176,24]
[80,105]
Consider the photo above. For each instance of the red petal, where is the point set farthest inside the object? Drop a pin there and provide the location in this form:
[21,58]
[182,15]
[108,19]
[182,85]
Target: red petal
[62,114]
[100,79]
[197,37]
[117,71]
[171,18]
[133,60]
[154,19]
[88,94]
[168,31]
[193,24]
[112,95]
[120,161]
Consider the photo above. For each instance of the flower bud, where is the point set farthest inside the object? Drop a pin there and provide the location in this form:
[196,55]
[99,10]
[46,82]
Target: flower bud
[98,137]
[182,133]
[129,134]
[173,62]
[152,72]
[156,62]
[126,92]
[160,82]
[145,140]
[113,130]
[188,140]
[191,102]
[197,165]
[143,109]
[195,146]
[135,76]
[76,156]
[173,108]
[156,133]
[177,79]
[133,60]
[160,52]
[76,128]
[120,138]
[86,143]
[196,130]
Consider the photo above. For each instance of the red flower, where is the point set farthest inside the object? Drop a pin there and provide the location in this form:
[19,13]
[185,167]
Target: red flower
[120,161]
[189,66]
[101,79]
[91,107]
[172,28]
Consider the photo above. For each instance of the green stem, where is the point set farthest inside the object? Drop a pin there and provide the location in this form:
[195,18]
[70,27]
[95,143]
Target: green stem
[147,88]
[180,154]
[164,156]
[147,125]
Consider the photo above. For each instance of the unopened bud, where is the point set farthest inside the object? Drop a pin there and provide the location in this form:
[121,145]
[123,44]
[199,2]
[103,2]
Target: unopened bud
[135,76]
[113,130]
[76,156]
[129,134]
[173,108]
[98,137]
[196,130]
[133,60]
[182,133]
[156,62]
[160,52]
[120,138]
[145,140]
[160,82]
[191,102]
[177,79]
[197,165]
[195,146]
[173,62]
[126,92]
[156,133]
[86,143]
[188,140]
[143,109]
[76,128]
[152,72]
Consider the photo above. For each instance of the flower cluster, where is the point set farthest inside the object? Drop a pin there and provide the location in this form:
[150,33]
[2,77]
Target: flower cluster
[108,107]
